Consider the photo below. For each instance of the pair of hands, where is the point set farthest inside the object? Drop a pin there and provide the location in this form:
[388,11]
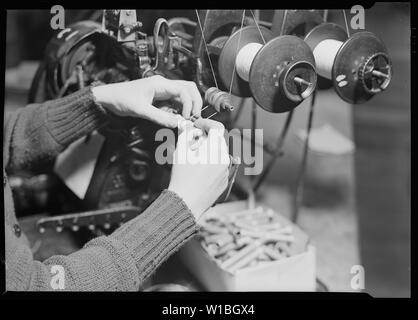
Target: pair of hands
[198,184]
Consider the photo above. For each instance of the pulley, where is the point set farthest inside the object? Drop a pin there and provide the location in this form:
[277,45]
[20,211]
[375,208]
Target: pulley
[279,73]
[358,66]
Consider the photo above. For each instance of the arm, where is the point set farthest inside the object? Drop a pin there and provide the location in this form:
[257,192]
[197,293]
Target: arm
[119,262]
[123,260]
[39,132]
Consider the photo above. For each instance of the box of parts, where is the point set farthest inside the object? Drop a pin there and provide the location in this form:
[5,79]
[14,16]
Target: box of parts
[240,249]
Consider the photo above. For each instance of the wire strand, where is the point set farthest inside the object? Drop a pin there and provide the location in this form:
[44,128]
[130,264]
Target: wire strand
[239,42]
[284,22]
[206,46]
[258,27]
[346,23]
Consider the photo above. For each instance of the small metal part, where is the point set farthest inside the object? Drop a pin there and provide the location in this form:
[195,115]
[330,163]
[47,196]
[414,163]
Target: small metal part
[375,73]
[302,81]
[218,99]
[138,169]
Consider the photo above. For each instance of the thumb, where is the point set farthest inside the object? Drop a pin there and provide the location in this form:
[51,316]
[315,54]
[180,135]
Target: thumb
[163,118]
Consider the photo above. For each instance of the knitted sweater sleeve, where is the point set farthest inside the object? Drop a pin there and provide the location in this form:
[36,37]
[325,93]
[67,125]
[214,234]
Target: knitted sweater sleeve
[119,262]
[40,131]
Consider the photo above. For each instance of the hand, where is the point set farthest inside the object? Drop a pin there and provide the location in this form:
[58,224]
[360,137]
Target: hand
[200,168]
[136,98]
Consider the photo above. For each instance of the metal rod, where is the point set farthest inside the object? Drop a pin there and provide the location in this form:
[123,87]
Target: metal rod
[380,74]
[302,81]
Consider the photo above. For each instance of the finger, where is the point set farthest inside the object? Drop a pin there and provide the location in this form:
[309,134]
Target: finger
[207,124]
[187,102]
[163,118]
[175,89]
[196,99]
[185,98]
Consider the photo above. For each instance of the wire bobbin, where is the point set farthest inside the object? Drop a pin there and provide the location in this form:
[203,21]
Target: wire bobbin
[325,53]
[245,58]
[361,67]
[279,74]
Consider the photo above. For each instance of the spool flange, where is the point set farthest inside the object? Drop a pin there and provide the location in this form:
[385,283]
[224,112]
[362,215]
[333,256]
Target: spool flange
[232,46]
[274,69]
[356,58]
[325,31]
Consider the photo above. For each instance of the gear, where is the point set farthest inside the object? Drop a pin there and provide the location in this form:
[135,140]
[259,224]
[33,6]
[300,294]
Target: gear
[375,73]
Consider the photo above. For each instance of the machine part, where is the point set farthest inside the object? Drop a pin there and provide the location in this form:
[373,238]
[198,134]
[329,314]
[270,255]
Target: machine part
[374,74]
[228,56]
[295,22]
[282,74]
[364,61]
[361,67]
[217,26]
[162,47]
[104,218]
[84,47]
[139,170]
[220,100]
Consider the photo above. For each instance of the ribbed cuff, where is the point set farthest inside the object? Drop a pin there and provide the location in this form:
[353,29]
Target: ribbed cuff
[75,116]
[158,232]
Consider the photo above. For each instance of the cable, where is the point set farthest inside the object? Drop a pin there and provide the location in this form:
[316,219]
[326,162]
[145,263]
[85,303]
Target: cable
[297,200]
[239,42]
[206,46]
[277,152]
[346,23]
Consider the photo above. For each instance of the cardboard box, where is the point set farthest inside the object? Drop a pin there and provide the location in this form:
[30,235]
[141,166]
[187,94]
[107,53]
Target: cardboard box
[295,273]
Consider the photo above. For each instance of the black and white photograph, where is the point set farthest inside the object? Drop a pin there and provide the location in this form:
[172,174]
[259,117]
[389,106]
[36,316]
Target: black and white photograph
[208,150]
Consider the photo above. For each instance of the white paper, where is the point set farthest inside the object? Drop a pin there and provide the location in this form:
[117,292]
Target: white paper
[75,166]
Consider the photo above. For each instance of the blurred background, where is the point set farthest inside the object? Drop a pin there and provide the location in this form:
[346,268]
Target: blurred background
[356,204]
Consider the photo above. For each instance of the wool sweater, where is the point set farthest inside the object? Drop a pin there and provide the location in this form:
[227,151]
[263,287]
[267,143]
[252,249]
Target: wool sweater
[118,262]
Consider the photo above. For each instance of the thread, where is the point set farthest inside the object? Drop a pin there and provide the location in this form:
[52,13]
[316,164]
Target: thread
[325,53]
[245,58]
